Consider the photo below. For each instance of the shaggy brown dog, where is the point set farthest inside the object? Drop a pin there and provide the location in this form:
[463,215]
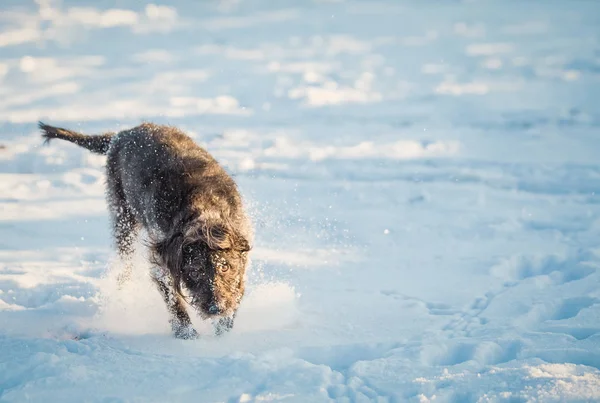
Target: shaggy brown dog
[159,179]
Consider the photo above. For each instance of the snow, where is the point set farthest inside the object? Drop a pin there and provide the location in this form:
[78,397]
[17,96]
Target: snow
[423,179]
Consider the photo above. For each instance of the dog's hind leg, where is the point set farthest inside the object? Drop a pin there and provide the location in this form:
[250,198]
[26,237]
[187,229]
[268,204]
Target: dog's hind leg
[125,226]
[181,325]
[126,230]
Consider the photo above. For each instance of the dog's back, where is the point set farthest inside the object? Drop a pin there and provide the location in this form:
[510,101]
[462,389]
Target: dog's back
[161,171]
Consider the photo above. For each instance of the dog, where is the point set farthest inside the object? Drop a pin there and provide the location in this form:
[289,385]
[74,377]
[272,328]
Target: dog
[160,180]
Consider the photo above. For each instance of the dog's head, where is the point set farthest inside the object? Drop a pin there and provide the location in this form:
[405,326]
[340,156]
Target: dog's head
[210,263]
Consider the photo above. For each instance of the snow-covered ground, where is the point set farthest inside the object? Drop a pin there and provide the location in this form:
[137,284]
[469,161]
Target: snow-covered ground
[423,177]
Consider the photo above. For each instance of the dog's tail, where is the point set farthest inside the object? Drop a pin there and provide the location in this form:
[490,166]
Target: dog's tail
[97,144]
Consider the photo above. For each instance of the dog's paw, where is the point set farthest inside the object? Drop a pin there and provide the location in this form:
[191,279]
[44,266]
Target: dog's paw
[185,332]
[223,326]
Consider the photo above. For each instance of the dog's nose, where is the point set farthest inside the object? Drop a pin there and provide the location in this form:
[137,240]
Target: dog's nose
[213,309]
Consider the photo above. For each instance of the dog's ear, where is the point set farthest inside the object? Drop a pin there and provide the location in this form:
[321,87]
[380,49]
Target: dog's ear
[242,245]
[218,236]
[215,236]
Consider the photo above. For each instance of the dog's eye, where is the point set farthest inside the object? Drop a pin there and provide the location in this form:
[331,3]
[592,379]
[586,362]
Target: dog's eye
[220,263]
[195,275]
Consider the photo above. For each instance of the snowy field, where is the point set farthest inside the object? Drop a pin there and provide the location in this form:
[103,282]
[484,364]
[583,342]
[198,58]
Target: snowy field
[423,178]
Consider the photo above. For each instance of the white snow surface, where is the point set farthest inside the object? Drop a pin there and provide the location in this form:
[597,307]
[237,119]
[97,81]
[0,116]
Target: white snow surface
[423,178]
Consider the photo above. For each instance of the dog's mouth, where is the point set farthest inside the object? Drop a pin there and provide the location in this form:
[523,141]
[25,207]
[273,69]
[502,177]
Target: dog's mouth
[208,310]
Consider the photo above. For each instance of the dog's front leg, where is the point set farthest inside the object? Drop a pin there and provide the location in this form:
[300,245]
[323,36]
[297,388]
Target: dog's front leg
[181,324]
[224,324]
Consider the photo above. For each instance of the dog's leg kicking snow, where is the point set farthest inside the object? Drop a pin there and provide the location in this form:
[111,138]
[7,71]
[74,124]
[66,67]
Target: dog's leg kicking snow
[181,325]
[125,231]
[125,226]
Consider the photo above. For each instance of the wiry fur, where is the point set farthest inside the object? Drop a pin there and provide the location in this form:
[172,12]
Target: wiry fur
[159,179]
